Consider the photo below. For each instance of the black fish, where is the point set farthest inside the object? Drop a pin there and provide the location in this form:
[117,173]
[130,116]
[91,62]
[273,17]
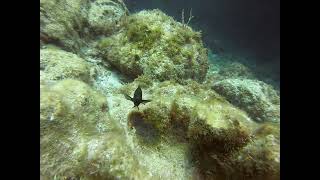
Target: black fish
[137,98]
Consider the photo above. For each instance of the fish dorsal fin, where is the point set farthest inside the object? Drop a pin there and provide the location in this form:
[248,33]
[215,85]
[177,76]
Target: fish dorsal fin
[138,93]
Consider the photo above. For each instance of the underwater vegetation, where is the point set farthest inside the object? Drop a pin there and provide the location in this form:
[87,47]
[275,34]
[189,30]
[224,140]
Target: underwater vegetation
[153,44]
[201,120]
[256,97]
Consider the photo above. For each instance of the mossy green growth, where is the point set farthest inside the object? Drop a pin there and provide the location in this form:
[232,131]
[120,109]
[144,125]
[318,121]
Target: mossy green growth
[74,122]
[255,97]
[71,103]
[173,46]
[174,106]
[153,44]
[141,34]
[69,112]
[61,22]
[58,64]
[215,132]
[182,36]
[144,81]
[260,159]
[104,43]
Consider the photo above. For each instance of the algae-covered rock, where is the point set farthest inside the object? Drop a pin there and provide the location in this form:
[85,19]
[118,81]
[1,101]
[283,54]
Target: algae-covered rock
[185,131]
[259,159]
[69,111]
[225,69]
[90,131]
[69,104]
[78,139]
[58,64]
[236,70]
[258,99]
[195,113]
[106,16]
[62,22]
[216,131]
[153,44]
[71,24]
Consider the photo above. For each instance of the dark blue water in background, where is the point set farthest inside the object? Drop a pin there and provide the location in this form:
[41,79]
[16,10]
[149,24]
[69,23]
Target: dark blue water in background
[249,29]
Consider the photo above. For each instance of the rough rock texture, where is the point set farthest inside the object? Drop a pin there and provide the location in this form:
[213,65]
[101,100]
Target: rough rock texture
[58,64]
[106,16]
[258,99]
[236,70]
[221,68]
[89,130]
[178,106]
[74,98]
[79,139]
[259,160]
[70,112]
[185,131]
[62,22]
[214,130]
[153,44]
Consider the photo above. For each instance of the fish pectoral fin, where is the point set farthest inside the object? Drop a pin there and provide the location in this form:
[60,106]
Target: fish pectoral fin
[145,101]
[128,97]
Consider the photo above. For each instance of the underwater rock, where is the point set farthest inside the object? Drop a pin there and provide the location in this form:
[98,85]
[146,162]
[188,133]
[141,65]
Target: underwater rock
[226,69]
[58,64]
[71,102]
[196,113]
[80,140]
[75,138]
[216,131]
[154,44]
[259,159]
[236,70]
[89,130]
[106,16]
[43,79]
[62,22]
[257,98]
[186,128]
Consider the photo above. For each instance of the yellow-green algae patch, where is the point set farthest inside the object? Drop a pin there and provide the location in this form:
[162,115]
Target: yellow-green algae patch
[153,44]
[186,131]
[58,64]
[78,138]
[211,130]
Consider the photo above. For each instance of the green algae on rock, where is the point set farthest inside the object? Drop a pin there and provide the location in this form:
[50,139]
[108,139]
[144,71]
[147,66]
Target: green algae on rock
[153,44]
[71,99]
[188,128]
[61,22]
[223,68]
[257,98]
[259,159]
[71,24]
[74,139]
[58,64]
[88,130]
[106,16]
[214,130]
